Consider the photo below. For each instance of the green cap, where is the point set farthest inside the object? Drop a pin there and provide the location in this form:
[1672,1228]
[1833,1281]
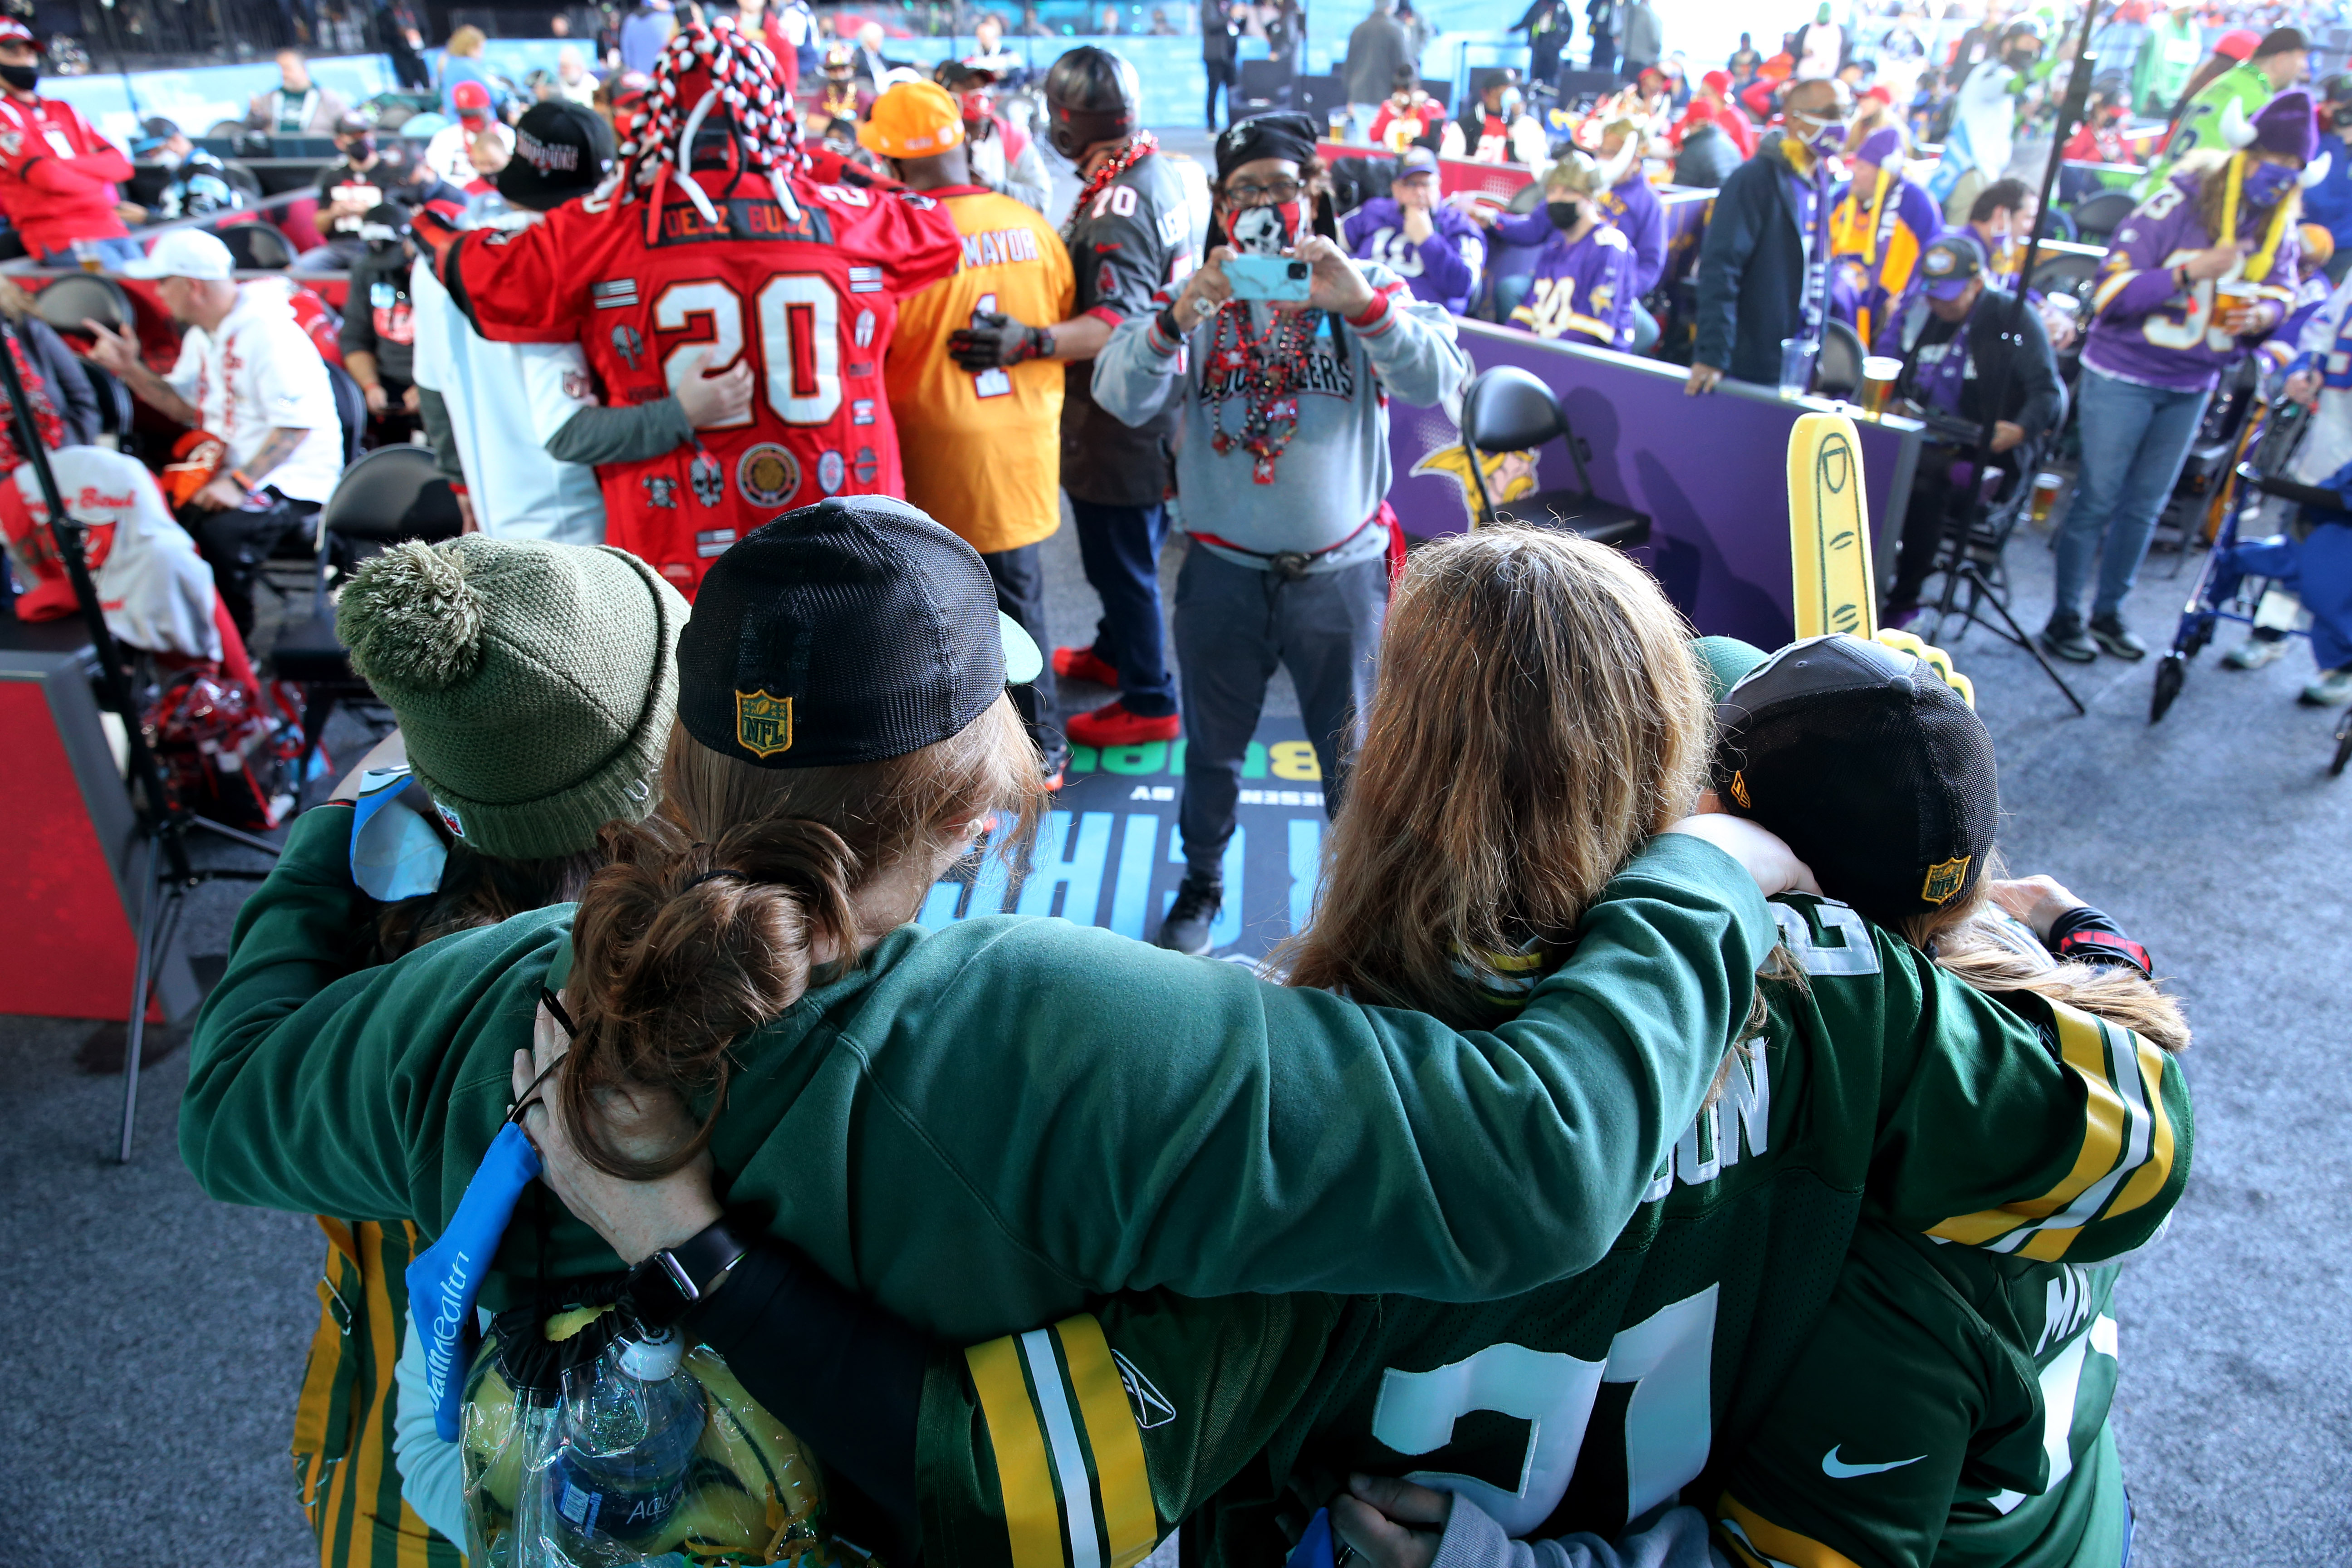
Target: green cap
[1727,660]
[535,683]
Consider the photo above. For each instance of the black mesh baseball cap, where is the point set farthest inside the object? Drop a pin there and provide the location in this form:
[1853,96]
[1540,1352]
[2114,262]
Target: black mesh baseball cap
[562,149]
[848,631]
[1879,775]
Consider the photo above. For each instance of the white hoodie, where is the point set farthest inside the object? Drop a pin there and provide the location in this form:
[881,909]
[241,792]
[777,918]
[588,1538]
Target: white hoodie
[259,370]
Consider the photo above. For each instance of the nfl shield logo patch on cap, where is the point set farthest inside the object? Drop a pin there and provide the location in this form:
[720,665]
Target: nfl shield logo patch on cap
[1944,879]
[764,723]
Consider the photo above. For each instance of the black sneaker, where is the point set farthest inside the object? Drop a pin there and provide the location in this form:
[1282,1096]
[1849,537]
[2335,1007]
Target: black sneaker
[2110,633]
[2063,638]
[1186,929]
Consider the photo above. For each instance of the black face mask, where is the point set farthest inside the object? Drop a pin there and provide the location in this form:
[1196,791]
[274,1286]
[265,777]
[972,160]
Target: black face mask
[24,79]
[361,149]
[1564,215]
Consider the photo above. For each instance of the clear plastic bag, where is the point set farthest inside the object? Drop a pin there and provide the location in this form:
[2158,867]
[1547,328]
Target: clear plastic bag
[590,1444]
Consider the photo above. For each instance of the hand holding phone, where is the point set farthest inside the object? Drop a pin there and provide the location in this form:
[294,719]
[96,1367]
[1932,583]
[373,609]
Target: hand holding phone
[1276,279]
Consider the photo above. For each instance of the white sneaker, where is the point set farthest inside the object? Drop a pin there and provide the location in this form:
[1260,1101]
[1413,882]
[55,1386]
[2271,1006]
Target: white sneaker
[2332,689]
[2255,652]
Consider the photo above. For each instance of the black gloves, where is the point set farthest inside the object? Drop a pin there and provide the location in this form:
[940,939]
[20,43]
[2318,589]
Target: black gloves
[994,341]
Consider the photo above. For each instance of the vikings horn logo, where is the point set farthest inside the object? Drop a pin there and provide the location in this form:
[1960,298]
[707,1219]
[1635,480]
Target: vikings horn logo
[628,345]
[710,485]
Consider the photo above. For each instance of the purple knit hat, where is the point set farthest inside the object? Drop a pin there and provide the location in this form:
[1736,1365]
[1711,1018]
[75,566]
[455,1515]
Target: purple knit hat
[1882,146]
[2289,124]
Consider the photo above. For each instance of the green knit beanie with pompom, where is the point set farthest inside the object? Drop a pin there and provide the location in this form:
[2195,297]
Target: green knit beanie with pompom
[535,683]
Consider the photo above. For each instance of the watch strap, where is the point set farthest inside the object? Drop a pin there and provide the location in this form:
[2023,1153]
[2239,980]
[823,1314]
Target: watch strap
[666,1285]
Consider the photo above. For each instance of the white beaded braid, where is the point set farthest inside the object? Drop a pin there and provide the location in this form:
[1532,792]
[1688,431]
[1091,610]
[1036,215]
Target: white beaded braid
[705,71]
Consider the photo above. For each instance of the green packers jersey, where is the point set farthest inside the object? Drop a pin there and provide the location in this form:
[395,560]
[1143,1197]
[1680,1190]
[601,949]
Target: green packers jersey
[1883,1089]
[1952,1409]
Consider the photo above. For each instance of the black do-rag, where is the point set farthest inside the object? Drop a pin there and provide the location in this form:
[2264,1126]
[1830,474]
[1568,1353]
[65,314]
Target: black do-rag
[1290,136]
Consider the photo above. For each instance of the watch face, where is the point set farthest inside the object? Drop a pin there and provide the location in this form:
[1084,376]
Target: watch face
[658,1291]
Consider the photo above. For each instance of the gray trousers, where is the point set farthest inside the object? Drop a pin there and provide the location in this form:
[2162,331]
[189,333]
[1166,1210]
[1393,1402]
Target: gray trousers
[1234,625]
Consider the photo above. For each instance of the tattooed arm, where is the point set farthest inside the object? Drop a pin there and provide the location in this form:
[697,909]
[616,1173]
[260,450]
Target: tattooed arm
[224,491]
[118,353]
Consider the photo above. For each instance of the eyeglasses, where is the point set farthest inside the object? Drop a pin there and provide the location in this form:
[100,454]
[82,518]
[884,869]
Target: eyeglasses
[1249,193]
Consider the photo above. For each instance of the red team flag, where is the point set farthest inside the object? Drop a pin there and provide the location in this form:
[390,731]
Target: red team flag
[761,251]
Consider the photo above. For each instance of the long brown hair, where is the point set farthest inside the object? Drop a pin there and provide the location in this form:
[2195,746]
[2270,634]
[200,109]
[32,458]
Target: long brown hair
[712,914]
[1538,716]
[1963,940]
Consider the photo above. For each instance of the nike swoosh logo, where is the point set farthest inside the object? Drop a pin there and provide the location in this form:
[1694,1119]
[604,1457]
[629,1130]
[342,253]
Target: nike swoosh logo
[1838,1469]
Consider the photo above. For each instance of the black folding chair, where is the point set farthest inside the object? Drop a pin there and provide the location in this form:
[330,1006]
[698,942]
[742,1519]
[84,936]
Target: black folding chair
[391,494]
[1506,410]
[1838,373]
[257,246]
[2096,217]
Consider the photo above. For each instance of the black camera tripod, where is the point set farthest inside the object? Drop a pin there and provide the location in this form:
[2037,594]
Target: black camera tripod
[164,823]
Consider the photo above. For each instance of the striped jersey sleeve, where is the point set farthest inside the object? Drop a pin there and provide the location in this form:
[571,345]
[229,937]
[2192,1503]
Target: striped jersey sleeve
[2134,1104]
[2024,1126]
[1081,1444]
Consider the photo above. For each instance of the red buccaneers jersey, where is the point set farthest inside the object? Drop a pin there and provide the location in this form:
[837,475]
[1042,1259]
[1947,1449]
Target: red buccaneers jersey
[811,303]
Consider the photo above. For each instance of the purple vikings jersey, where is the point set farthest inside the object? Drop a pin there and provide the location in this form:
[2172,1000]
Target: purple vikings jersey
[2145,329]
[1582,292]
[1442,269]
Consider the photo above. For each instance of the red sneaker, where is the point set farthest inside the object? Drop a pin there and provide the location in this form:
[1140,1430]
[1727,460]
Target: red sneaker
[1112,725]
[1083,664]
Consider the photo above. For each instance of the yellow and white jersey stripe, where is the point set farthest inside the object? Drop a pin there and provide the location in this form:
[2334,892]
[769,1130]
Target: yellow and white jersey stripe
[2126,1156]
[1069,1456]
[1757,1543]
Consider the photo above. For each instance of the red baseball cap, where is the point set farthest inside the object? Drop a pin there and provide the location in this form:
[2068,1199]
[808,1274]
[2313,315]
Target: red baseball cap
[11,31]
[1718,83]
[472,99]
[1879,95]
[2237,46]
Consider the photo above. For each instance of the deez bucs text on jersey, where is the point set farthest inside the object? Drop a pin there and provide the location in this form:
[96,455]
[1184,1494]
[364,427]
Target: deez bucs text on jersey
[811,302]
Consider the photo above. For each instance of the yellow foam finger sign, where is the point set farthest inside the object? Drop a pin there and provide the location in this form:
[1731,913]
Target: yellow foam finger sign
[1829,529]
[1934,657]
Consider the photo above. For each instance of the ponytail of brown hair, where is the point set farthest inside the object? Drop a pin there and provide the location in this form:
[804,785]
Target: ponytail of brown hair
[739,893]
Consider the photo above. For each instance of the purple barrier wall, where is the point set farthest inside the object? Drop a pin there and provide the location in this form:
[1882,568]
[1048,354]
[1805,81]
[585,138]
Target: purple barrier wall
[1711,472]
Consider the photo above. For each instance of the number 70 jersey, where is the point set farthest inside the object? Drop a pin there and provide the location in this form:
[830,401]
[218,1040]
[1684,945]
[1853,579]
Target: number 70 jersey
[809,303]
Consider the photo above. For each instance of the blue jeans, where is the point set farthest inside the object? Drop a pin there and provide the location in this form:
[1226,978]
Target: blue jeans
[1119,546]
[117,253]
[2134,440]
[1234,626]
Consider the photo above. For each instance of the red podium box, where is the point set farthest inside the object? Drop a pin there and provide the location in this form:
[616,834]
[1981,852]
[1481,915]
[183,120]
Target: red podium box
[72,882]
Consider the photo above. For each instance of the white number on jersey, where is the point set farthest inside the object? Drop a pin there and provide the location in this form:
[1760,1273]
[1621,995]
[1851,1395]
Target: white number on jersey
[1120,199]
[798,320]
[1852,952]
[1668,1356]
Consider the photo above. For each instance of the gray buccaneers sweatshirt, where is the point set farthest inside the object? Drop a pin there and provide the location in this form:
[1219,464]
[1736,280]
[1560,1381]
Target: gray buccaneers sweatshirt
[1335,472]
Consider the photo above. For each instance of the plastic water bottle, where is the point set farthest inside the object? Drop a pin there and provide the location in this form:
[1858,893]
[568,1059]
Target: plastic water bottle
[628,1442]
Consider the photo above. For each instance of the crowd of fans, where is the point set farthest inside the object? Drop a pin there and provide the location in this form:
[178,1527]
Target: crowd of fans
[760,374]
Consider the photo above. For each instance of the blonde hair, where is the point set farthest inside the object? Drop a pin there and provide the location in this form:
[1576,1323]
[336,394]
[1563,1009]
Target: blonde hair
[675,963]
[466,41]
[1965,941]
[1539,715]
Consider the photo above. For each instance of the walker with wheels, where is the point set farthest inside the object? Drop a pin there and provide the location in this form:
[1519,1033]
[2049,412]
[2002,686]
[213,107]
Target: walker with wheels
[2230,587]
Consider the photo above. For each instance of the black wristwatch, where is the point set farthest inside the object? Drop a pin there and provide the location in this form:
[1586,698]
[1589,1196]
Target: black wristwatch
[666,1287]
